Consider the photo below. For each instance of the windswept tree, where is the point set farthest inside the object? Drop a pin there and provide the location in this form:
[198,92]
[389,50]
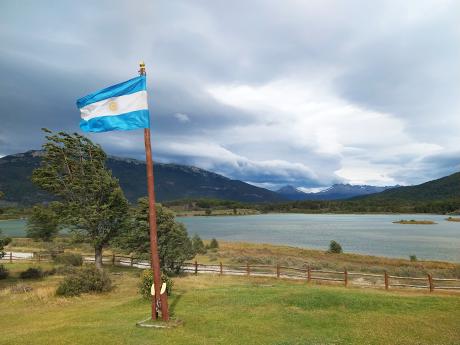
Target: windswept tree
[92,202]
[43,223]
[174,244]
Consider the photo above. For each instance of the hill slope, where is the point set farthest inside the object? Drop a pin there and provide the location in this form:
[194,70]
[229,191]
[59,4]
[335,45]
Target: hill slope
[172,181]
[445,188]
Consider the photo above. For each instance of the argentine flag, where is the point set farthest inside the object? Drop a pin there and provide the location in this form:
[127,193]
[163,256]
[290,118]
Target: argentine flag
[118,107]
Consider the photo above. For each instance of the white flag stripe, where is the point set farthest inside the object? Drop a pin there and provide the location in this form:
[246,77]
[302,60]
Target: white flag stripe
[115,106]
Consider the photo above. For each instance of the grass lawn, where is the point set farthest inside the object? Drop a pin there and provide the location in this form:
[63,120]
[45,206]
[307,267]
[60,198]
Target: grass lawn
[228,310]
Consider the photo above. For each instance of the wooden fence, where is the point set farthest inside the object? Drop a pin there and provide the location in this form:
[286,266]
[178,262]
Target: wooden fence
[306,273]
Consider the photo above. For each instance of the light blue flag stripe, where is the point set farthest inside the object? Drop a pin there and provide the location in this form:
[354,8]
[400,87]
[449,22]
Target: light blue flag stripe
[132,120]
[128,87]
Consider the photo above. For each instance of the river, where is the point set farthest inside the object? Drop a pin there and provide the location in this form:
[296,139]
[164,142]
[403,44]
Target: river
[364,234]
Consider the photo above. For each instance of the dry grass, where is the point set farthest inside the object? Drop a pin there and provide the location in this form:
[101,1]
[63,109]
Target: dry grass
[240,253]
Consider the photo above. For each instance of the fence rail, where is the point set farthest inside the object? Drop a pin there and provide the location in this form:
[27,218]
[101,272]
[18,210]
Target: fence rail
[307,273]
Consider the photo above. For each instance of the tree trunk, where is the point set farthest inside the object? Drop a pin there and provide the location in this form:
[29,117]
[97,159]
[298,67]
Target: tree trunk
[98,257]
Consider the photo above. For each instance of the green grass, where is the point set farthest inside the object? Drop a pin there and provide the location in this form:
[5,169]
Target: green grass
[230,310]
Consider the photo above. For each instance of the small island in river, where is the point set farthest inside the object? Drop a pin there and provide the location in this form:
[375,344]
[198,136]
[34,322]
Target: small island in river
[452,219]
[413,221]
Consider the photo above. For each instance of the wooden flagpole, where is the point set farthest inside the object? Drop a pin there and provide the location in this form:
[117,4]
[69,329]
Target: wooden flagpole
[154,258]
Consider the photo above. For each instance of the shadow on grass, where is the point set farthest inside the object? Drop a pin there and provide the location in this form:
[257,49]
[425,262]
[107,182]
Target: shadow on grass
[172,306]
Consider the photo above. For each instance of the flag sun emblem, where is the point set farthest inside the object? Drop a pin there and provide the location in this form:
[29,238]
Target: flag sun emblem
[113,106]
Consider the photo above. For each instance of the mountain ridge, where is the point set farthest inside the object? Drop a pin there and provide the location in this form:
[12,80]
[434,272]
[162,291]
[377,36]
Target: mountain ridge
[172,181]
[338,191]
[444,188]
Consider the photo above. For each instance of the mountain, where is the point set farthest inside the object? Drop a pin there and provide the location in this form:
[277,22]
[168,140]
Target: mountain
[445,188]
[291,193]
[336,192]
[172,181]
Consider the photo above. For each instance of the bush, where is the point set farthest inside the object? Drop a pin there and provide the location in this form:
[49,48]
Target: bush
[147,280]
[4,272]
[174,245]
[85,279]
[213,244]
[335,247]
[69,259]
[31,273]
[4,241]
[413,258]
[198,245]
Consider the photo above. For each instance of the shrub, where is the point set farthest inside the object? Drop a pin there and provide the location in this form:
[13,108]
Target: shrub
[147,280]
[31,273]
[198,245]
[335,247]
[174,244]
[413,258]
[213,244]
[4,241]
[69,259]
[85,279]
[4,272]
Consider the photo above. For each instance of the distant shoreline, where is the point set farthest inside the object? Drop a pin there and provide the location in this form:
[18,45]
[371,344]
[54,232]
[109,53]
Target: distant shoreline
[178,214]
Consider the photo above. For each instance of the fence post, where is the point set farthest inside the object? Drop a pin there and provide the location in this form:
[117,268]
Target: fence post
[196,267]
[113,259]
[221,269]
[387,282]
[131,260]
[248,269]
[309,274]
[345,273]
[430,282]
[277,270]
[11,257]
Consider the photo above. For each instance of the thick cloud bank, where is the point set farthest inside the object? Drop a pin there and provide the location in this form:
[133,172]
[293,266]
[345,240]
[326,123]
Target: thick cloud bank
[306,93]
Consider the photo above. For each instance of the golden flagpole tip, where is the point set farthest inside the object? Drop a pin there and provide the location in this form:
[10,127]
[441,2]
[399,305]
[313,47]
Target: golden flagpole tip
[142,68]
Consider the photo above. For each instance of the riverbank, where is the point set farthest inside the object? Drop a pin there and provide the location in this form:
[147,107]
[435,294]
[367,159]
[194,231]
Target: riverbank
[241,253]
[451,219]
[362,234]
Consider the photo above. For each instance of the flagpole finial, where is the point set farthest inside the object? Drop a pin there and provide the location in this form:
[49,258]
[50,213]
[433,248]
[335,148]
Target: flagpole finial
[142,68]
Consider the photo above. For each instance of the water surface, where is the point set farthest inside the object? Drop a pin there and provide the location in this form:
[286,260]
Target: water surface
[365,234]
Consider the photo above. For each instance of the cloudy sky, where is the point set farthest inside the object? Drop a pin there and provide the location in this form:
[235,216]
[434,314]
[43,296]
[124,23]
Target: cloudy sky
[307,93]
